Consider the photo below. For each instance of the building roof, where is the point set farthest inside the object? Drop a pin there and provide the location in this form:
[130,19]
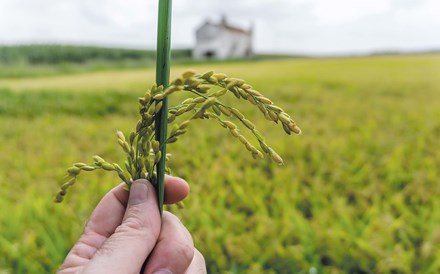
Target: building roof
[225,25]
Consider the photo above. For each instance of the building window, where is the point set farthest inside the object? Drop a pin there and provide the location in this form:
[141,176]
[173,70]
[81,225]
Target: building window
[209,54]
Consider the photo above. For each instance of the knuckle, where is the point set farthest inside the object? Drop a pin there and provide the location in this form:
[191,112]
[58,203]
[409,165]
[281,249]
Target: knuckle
[135,219]
[137,223]
[186,252]
[132,226]
[132,223]
[182,248]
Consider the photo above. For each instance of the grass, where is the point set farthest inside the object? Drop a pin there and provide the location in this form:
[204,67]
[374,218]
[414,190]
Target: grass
[19,61]
[30,61]
[358,194]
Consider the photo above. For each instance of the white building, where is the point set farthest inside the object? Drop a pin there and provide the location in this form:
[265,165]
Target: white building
[222,41]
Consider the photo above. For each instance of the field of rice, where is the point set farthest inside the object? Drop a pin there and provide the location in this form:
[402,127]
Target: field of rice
[359,192]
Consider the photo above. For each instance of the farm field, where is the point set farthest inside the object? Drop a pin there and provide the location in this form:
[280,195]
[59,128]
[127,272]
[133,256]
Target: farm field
[359,192]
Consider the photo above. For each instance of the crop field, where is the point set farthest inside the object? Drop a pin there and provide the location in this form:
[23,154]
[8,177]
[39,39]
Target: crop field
[359,191]
[49,60]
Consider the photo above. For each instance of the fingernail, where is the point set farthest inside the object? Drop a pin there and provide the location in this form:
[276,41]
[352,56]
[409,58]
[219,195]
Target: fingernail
[163,271]
[138,192]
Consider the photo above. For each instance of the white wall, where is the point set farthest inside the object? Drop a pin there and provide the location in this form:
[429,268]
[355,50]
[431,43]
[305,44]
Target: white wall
[220,43]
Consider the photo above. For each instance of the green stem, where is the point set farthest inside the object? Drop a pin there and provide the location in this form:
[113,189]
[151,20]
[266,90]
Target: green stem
[162,78]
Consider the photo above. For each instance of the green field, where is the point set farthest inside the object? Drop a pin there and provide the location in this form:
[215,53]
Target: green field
[359,192]
[48,60]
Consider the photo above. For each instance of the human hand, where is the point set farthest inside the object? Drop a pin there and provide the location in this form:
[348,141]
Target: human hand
[125,233]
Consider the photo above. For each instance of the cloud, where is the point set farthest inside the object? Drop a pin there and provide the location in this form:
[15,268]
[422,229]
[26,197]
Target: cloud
[346,11]
[308,26]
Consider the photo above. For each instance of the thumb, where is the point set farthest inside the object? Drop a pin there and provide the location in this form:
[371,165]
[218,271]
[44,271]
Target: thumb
[126,250]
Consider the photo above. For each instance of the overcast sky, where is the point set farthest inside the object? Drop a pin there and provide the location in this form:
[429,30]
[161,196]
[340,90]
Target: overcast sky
[284,26]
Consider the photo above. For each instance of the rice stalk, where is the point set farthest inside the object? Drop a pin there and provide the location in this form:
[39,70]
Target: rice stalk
[144,150]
